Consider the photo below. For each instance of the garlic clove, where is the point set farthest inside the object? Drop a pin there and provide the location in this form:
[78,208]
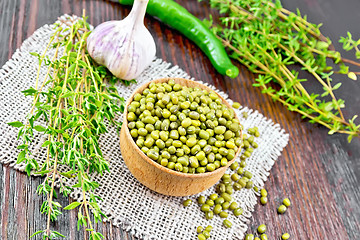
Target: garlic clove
[125,47]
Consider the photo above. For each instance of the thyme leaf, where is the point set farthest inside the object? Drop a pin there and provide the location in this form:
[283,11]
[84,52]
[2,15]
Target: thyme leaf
[270,40]
[73,101]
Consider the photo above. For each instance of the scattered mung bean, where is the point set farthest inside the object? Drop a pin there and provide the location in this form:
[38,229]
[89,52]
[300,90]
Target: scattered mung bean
[234,165]
[249,184]
[237,186]
[213,196]
[234,205]
[286,202]
[217,209]
[227,223]
[238,212]
[249,237]
[264,237]
[248,174]
[205,208]
[206,234]
[201,199]
[236,105]
[187,202]
[201,237]
[210,202]
[209,228]
[226,197]
[282,209]
[223,214]
[263,200]
[220,200]
[209,215]
[285,236]
[225,205]
[263,192]
[261,229]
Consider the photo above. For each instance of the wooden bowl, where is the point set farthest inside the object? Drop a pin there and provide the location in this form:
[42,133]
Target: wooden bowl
[155,176]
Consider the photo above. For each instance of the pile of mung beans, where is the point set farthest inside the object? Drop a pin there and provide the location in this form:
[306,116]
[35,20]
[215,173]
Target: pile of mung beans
[185,129]
[190,130]
[204,233]
[222,203]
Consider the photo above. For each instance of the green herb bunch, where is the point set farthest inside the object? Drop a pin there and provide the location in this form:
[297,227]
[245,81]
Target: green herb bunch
[74,101]
[269,40]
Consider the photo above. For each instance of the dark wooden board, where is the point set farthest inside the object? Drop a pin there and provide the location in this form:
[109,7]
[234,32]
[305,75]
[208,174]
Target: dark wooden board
[319,173]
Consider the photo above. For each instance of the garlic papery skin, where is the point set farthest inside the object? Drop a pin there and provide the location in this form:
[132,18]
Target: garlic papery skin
[125,47]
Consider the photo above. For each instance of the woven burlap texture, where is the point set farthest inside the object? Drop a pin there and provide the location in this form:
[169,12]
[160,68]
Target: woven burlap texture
[126,202]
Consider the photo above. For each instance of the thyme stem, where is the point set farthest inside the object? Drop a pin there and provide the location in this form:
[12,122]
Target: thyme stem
[70,106]
[268,39]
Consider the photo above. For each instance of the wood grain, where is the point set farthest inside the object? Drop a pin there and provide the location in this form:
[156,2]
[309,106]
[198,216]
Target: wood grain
[319,173]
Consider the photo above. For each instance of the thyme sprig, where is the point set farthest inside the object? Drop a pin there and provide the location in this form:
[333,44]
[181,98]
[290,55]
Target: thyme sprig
[269,40]
[73,101]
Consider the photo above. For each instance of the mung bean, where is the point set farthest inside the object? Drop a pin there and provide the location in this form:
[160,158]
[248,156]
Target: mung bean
[249,237]
[213,196]
[286,202]
[206,234]
[201,237]
[209,228]
[227,223]
[263,192]
[223,214]
[210,202]
[225,205]
[229,189]
[237,186]
[226,197]
[217,209]
[238,212]
[264,237]
[236,105]
[205,208]
[187,202]
[234,205]
[201,199]
[249,184]
[219,200]
[261,229]
[209,215]
[281,209]
[167,120]
[285,236]
[234,166]
[263,200]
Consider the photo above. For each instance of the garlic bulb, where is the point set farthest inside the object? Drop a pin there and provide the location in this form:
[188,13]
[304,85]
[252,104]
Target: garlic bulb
[125,47]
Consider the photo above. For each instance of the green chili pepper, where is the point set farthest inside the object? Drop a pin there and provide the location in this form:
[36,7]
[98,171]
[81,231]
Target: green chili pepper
[176,16]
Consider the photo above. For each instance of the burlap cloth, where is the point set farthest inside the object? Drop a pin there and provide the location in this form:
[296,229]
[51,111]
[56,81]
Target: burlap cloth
[126,202]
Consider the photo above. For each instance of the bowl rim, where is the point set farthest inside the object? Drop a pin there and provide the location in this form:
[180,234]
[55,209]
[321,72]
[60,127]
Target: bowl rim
[152,162]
